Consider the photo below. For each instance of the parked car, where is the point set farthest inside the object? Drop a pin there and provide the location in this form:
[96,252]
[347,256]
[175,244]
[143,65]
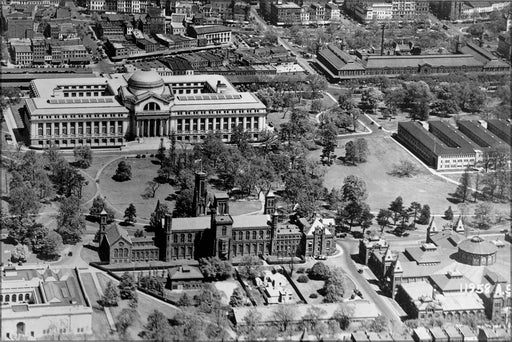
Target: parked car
[321,257]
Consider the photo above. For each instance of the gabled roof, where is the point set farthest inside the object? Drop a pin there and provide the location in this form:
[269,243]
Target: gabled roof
[114,233]
[321,223]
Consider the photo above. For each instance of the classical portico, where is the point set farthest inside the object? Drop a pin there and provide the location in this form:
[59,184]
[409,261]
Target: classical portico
[154,127]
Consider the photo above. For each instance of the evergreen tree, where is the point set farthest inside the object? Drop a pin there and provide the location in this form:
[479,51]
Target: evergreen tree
[123,172]
[130,214]
[463,191]
[424,215]
[110,295]
[396,207]
[448,214]
[328,133]
[126,286]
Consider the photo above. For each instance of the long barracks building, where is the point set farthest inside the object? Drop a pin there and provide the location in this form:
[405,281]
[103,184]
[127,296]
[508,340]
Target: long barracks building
[106,111]
[339,64]
[443,147]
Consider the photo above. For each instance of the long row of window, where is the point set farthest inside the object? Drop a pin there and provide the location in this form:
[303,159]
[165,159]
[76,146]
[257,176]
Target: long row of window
[74,142]
[20,297]
[255,234]
[74,128]
[203,124]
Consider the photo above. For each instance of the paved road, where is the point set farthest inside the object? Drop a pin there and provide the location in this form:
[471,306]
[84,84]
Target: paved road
[344,260]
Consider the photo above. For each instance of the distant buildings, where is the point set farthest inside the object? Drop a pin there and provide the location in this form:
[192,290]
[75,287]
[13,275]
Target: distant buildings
[396,10]
[119,6]
[44,303]
[461,9]
[19,25]
[339,64]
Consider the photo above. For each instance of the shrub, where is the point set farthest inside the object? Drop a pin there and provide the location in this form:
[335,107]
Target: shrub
[313,295]
[319,271]
[303,278]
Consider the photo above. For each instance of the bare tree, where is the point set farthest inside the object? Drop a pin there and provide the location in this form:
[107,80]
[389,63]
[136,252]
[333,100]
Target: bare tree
[151,188]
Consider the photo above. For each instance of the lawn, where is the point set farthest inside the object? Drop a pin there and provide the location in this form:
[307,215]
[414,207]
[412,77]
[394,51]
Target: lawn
[146,306]
[313,286]
[226,288]
[100,326]
[121,194]
[382,187]
[244,207]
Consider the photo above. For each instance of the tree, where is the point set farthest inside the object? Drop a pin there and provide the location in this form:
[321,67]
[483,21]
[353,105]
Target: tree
[123,172]
[70,221]
[127,286]
[414,209]
[36,235]
[328,140]
[383,218]
[371,98]
[18,228]
[184,300]
[424,215]
[448,214]
[19,254]
[23,202]
[361,150]
[157,328]
[83,156]
[366,218]
[215,269]
[50,245]
[98,205]
[354,189]
[237,298]
[9,96]
[283,316]
[463,189]
[396,207]
[151,189]
[350,152]
[250,267]
[110,295]
[123,321]
[185,203]
[342,316]
[334,286]
[312,321]
[208,298]
[319,271]
[483,215]
[379,324]
[316,106]
[160,153]
[404,168]
[130,214]
[316,84]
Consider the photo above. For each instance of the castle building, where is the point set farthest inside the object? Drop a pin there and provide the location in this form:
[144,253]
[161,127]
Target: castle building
[43,303]
[107,111]
[218,234]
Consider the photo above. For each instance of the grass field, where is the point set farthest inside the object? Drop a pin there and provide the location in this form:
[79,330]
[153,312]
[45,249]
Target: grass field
[382,187]
[121,194]
[100,326]
[146,306]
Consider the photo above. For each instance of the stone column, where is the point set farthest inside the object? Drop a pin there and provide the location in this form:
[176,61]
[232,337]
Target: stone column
[153,128]
[108,128]
[161,127]
[52,127]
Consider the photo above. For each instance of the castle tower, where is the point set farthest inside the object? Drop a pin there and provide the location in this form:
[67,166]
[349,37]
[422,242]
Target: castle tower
[270,202]
[396,277]
[221,203]
[165,245]
[103,225]
[200,194]
[222,227]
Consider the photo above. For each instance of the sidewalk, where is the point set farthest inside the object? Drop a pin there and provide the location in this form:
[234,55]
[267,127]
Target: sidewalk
[110,318]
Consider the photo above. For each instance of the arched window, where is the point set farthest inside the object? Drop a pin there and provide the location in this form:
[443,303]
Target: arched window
[20,297]
[182,238]
[13,298]
[126,252]
[7,298]
[152,106]
[27,297]
[20,328]
[175,238]
[1,299]
[189,237]
[115,253]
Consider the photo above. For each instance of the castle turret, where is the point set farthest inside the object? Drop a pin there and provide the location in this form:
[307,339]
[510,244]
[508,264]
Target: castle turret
[270,203]
[200,194]
[165,244]
[103,225]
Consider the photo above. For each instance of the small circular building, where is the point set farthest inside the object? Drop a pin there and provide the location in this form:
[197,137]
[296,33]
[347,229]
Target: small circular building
[477,252]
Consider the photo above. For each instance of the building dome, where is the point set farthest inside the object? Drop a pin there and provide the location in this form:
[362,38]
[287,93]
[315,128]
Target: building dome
[477,251]
[146,80]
